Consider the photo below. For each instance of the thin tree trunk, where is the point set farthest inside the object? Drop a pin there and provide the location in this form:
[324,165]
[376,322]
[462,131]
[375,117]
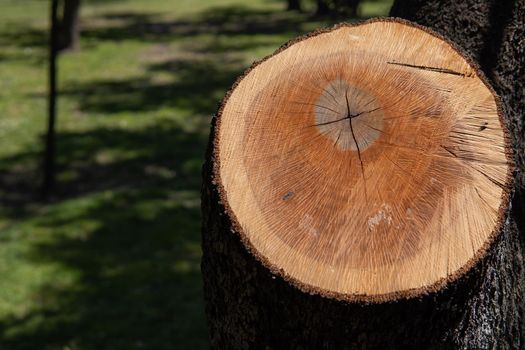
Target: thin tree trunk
[49,156]
[250,308]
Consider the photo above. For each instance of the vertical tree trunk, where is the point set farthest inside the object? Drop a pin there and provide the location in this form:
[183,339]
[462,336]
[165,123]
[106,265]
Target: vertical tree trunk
[294,5]
[49,155]
[250,308]
[69,25]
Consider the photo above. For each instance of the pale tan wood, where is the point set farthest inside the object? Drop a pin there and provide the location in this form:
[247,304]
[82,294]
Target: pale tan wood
[367,162]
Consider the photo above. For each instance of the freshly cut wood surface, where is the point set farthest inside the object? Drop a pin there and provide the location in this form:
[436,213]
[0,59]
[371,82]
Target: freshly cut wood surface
[364,162]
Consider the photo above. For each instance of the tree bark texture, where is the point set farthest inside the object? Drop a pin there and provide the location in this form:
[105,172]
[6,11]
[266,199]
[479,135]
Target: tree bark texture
[249,308]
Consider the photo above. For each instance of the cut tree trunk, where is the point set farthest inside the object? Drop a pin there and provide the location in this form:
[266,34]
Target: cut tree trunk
[354,186]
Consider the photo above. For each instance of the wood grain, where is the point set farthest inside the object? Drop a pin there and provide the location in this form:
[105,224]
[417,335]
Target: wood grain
[366,162]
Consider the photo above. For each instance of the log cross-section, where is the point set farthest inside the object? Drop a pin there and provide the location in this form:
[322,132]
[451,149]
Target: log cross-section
[366,162]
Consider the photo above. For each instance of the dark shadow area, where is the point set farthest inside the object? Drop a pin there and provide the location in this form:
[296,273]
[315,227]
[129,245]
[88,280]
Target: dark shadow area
[500,15]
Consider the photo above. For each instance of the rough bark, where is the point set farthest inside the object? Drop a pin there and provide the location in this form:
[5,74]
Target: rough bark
[249,308]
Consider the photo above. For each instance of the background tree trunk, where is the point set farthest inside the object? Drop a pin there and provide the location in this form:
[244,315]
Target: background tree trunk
[248,307]
[347,7]
[322,8]
[64,34]
[294,5]
[69,25]
[49,152]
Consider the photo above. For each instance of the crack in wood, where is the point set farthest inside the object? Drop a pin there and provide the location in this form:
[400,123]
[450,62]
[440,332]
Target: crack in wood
[432,69]
[349,116]
[466,162]
[338,136]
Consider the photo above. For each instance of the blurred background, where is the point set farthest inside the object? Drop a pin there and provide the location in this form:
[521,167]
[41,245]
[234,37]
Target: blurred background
[110,258]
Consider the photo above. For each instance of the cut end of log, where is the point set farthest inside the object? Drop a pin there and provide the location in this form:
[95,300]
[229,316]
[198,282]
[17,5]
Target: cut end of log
[366,162]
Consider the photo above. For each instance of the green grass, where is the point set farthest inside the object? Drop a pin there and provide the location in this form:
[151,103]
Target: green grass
[112,261]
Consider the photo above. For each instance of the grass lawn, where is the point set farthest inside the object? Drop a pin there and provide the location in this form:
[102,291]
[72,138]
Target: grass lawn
[112,261]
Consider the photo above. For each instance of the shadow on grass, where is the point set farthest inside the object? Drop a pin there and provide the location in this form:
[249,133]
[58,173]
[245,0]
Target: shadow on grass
[103,159]
[223,20]
[22,43]
[138,283]
[24,36]
[193,85]
[130,236]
